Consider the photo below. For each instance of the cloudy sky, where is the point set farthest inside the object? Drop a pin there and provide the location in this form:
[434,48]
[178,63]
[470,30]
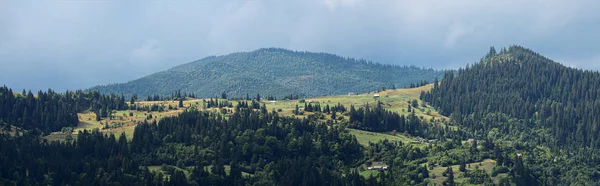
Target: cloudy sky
[76,44]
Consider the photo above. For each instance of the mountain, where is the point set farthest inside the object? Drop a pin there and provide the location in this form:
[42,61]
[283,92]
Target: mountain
[276,72]
[521,84]
[538,108]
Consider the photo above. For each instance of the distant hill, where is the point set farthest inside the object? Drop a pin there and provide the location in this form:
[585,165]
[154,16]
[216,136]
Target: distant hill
[275,72]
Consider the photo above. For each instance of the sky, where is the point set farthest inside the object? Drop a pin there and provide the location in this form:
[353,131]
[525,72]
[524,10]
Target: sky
[77,44]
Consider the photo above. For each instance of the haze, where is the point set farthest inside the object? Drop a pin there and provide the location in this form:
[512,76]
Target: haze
[78,44]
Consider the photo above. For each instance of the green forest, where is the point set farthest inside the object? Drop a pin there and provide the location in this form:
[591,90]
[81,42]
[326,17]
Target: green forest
[274,72]
[527,101]
[514,118]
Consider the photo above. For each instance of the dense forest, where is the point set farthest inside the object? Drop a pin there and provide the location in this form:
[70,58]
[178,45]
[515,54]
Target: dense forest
[50,111]
[257,147]
[520,97]
[275,72]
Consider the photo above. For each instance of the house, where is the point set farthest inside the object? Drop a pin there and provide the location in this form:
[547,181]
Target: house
[351,94]
[519,155]
[378,167]
[376,95]
[273,102]
[470,140]
[420,139]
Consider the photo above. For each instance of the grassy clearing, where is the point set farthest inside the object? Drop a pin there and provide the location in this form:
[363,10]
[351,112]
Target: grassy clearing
[158,168]
[487,165]
[188,170]
[367,173]
[364,137]
[393,100]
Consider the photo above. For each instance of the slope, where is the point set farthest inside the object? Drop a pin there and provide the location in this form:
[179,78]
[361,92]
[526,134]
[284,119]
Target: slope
[519,83]
[275,72]
[524,101]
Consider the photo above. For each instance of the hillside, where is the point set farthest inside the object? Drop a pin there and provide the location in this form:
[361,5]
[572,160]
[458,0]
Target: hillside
[527,101]
[275,72]
[519,83]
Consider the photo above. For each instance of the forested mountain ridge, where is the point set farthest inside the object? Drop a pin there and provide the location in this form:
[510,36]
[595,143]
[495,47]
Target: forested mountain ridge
[545,111]
[522,84]
[275,72]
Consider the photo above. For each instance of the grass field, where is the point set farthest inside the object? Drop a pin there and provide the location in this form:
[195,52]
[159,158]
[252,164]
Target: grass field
[487,165]
[364,137]
[158,168]
[367,173]
[393,100]
[188,170]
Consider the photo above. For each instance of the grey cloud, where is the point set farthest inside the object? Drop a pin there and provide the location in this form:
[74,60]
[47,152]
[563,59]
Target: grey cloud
[78,44]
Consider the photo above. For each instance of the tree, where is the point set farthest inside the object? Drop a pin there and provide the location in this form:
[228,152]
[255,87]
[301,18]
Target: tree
[450,180]
[498,155]
[333,115]
[463,165]
[224,95]
[180,103]
[414,103]
[474,146]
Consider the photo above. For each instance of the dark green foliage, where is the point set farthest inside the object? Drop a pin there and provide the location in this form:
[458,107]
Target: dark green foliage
[380,120]
[526,102]
[450,180]
[518,84]
[50,111]
[478,176]
[276,72]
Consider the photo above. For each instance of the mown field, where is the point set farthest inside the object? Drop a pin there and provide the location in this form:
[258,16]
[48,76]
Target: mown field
[366,137]
[459,177]
[395,100]
[188,170]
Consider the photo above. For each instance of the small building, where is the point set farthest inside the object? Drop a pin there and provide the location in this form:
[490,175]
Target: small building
[378,167]
[273,102]
[376,95]
[470,140]
[519,155]
[351,94]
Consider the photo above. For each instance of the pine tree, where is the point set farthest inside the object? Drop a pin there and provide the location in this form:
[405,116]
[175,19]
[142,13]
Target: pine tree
[450,180]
